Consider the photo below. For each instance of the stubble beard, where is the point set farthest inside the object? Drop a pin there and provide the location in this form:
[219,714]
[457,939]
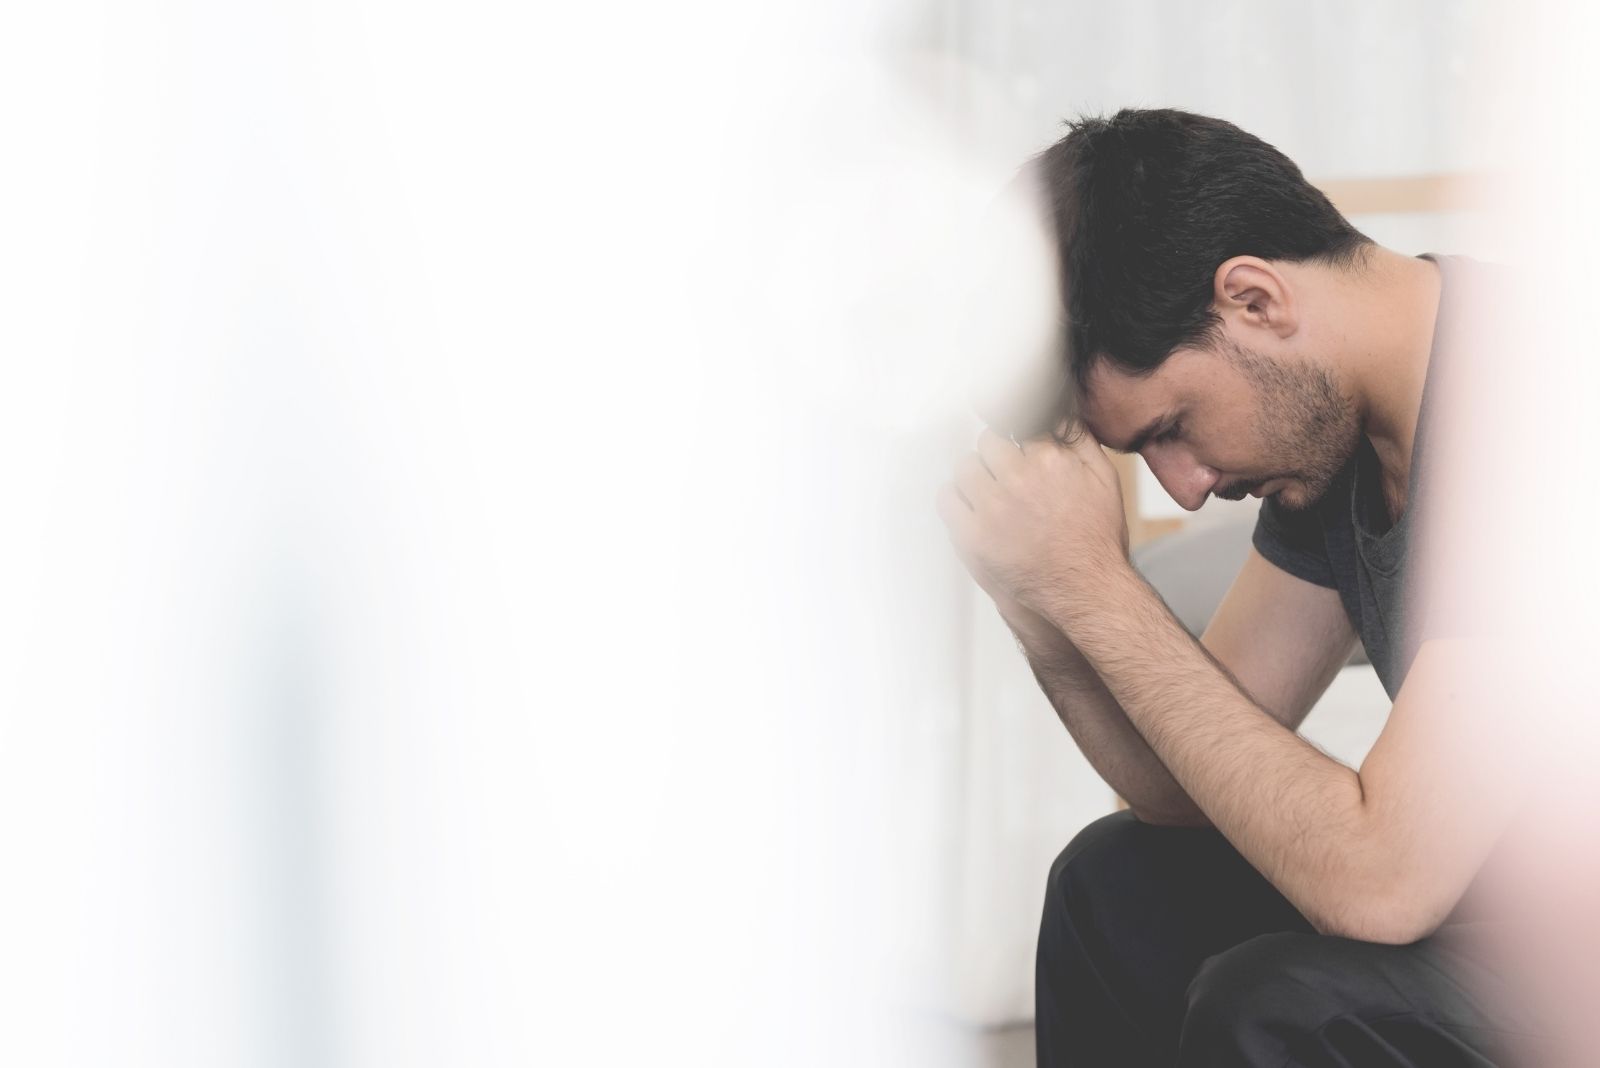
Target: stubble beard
[1306,419]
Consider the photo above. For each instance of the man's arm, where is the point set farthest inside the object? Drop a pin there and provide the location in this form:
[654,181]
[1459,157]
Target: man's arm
[1283,638]
[1102,732]
[1382,854]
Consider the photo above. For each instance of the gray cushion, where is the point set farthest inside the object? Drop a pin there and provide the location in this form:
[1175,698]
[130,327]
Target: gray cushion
[1193,568]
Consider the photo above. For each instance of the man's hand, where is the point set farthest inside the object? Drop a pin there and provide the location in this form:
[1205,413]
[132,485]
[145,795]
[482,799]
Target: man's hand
[1037,523]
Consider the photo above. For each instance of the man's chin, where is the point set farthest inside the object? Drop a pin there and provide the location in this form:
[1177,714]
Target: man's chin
[1297,496]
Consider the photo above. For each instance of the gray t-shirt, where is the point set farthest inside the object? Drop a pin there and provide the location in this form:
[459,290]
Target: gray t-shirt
[1345,541]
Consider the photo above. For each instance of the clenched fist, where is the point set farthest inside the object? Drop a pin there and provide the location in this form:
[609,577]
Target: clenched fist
[1037,522]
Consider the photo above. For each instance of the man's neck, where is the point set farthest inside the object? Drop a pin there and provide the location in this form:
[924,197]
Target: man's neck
[1394,306]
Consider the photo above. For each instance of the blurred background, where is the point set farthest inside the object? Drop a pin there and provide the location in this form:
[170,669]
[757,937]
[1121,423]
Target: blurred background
[472,593]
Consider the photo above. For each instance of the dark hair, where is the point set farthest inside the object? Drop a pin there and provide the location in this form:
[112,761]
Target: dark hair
[1146,205]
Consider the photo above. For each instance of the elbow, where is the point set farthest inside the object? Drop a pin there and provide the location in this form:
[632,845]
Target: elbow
[1384,890]
[1398,919]
[1390,930]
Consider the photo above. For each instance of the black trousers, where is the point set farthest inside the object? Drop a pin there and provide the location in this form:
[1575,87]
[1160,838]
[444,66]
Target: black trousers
[1162,946]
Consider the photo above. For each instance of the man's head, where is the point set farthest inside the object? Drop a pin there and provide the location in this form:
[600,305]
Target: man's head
[1191,256]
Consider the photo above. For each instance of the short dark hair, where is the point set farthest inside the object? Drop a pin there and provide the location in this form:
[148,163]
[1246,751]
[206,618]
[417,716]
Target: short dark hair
[1146,205]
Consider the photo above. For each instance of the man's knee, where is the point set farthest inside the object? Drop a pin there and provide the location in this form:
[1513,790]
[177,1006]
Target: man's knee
[1081,889]
[1109,876]
[1131,909]
[1083,999]
[1098,854]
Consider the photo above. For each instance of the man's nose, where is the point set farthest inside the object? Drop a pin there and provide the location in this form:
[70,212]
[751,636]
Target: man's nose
[1186,480]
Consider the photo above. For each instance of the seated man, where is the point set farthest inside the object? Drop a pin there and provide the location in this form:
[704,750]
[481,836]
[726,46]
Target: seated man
[1259,903]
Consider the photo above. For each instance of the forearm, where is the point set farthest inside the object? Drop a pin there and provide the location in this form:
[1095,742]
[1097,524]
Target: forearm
[1102,731]
[1297,815]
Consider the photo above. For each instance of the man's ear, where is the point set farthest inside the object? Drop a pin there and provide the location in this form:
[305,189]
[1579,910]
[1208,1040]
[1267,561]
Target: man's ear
[1249,293]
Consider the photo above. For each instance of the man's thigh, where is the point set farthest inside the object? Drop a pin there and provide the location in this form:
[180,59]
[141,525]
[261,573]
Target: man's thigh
[1293,999]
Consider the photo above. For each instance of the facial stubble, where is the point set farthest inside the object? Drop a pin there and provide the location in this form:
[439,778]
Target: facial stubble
[1306,420]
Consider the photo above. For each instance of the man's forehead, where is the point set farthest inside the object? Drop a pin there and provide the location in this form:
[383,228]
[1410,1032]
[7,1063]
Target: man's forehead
[1117,405]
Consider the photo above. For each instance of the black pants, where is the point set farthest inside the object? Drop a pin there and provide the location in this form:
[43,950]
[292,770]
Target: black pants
[1161,946]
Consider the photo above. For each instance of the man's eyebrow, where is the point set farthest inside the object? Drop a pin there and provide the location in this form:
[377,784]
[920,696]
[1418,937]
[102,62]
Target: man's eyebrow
[1143,437]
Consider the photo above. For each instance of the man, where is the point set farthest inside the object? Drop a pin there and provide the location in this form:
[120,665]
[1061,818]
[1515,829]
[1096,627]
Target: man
[1259,903]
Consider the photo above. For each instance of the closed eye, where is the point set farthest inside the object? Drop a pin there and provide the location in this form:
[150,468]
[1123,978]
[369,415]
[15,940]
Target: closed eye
[1172,433]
